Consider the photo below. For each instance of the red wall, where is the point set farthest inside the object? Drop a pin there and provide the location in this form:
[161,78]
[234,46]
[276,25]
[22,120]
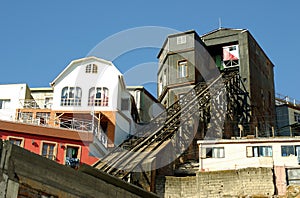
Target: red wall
[33,143]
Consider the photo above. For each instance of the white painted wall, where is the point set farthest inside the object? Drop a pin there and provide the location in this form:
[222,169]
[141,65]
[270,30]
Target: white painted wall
[107,76]
[236,156]
[12,92]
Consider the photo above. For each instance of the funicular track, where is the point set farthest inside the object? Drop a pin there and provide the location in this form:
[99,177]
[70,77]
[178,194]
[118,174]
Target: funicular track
[132,152]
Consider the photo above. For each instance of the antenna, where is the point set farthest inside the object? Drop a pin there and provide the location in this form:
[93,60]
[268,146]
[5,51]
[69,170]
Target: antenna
[220,23]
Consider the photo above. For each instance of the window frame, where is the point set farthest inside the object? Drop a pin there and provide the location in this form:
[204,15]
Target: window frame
[71,145]
[4,103]
[256,151]
[88,68]
[290,154]
[182,64]
[8,138]
[94,68]
[71,96]
[297,117]
[103,100]
[54,155]
[211,151]
[127,102]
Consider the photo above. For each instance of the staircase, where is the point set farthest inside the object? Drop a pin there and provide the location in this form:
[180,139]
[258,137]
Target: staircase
[174,125]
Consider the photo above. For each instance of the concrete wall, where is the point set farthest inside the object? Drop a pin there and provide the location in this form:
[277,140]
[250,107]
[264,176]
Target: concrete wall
[14,93]
[233,183]
[235,154]
[24,174]
[283,121]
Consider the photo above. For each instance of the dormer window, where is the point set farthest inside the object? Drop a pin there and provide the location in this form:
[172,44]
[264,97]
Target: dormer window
[91,68]
[95,68]
[88,68]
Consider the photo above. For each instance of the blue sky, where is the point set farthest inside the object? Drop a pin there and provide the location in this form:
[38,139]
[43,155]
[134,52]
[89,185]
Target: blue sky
[39,38]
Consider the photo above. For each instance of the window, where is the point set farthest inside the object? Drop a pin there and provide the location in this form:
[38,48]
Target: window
[48,150]
[26,117]
[164,79]
[4,103]
[125,104]
[16,141]
[88,68]
[95,69]
[43,118]
[160,86]
[71,96]
[259,151]
[181,97]
[297,117]
[288,150]
[98,96]
[91,68]
[72,156]
[182,69]
[181,40]
[232,48]
[214,152]
[48,102]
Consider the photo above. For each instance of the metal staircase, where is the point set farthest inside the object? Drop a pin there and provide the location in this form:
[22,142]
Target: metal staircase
[174,125]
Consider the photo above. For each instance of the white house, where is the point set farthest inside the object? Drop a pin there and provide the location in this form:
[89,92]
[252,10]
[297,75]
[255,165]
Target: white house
[280,153]
[88,95]
[93,89]
[11,97]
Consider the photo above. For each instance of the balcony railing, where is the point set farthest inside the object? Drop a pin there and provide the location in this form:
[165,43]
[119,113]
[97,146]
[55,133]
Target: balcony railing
[70,102]
[72,162]
[35,104]
[101,136]
[284,99]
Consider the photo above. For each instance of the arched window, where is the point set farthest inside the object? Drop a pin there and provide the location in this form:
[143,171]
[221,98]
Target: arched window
[71,96]
[88,68]
[95,68]
[98,96]
[105,96]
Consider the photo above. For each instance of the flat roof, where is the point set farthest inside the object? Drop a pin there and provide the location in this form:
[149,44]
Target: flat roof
[35,130]
[41,89]
[251,140]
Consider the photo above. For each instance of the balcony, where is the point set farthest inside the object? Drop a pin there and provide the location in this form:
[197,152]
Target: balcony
[35,104]
[72,162]
[284,99]
[101,136]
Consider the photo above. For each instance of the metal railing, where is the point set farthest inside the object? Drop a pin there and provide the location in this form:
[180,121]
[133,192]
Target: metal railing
[82,125]
[284,99]
[35,104]
[101,136]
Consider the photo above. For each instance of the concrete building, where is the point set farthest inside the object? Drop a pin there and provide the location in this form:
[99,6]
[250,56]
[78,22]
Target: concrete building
[186,59]
[147,106]
[236,49]
[287,116]
[10,97]
[42,96]
[281,154]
